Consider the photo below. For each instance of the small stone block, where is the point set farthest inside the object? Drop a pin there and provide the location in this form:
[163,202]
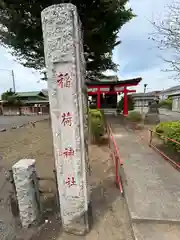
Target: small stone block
[26,197]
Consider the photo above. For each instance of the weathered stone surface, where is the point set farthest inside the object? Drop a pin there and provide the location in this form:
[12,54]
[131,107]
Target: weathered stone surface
[153,107]
[7,232]
[152,116]
[3,130]
[22,174]
[67,94]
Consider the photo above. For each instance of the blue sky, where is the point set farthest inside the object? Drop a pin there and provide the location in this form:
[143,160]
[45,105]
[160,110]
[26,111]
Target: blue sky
[136,55]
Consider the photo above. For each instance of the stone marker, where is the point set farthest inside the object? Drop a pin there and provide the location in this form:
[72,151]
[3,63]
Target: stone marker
[152,116]
[22,174]
[65,65]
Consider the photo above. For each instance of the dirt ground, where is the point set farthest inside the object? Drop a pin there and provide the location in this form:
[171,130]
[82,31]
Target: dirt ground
[13,121]
[29,142]
[110,214]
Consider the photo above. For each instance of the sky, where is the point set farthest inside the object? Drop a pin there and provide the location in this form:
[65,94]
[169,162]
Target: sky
[137,55]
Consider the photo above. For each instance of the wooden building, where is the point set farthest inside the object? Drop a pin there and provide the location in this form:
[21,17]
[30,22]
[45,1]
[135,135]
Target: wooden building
[174,94]
[32,103]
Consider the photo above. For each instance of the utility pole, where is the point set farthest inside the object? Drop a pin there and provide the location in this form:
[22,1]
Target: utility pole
[13,79]
[142,109]
[145,86]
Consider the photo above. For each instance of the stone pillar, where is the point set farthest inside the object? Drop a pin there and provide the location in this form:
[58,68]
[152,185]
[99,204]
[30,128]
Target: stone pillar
[22,174]
[68,106]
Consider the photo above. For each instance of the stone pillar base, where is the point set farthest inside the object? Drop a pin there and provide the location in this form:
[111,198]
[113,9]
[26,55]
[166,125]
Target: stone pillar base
[82,225]
[152,118]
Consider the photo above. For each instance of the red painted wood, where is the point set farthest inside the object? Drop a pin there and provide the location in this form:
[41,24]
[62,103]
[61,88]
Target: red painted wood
[116,157]
[125,107]
[110,93]
[118,85]
[125,91]
[98,98]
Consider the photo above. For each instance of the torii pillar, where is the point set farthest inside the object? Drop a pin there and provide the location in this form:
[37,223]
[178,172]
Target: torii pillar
[125,103]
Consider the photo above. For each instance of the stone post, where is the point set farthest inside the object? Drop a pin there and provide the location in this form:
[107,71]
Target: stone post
[26,196]
[65,65]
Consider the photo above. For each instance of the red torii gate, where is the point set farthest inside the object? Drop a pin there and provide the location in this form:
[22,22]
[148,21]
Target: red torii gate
[97,88]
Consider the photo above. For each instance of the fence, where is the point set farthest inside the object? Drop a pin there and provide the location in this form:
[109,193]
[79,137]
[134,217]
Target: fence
[116,158]
[176,165]
[25,111]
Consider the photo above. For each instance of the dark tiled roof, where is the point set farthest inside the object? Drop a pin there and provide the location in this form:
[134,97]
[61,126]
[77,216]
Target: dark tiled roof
[45,92]
[119,83]
[38,94]
[28,94]
[148,94]
[171,89]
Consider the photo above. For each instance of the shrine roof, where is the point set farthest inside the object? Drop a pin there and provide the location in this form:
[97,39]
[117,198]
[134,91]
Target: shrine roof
[110,83]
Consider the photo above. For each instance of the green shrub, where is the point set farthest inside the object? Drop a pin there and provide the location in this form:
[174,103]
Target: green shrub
[174,134]
[170,130]
[96,124]
[166,103]
[92,106]
[161,127]
[120,104]
[165,127]
[134,116]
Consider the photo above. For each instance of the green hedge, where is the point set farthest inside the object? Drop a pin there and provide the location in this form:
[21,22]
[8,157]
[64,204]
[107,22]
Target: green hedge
[96,124]
[134,116]
[170,130]
[166,103]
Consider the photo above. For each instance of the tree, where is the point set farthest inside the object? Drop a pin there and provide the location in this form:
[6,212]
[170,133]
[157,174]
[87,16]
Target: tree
[167,103]
[12,99]
[167,36]
[101,20]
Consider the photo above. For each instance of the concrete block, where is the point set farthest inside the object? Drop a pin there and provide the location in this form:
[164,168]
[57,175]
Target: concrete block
[22,174]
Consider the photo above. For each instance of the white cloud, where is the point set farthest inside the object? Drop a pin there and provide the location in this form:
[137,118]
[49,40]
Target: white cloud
[137,56]
[25,79]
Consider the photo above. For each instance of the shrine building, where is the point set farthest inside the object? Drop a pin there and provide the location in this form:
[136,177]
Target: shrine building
[105,93]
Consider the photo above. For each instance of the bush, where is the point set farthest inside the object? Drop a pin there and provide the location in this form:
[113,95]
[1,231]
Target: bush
[165,127]
[166,103]
[170,130]
[135,116]
[96,124]
[120,104]
[92,106]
